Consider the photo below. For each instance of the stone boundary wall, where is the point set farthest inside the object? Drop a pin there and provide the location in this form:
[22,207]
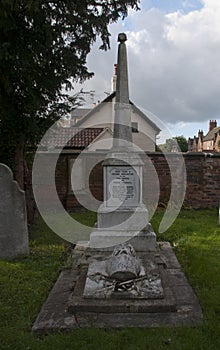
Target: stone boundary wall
[203,178]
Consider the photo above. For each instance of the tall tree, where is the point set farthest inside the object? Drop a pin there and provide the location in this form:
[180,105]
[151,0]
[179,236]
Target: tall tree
[44,45]
[171,144]
[182,143]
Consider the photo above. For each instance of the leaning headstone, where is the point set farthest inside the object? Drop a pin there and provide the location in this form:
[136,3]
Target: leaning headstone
[13,219]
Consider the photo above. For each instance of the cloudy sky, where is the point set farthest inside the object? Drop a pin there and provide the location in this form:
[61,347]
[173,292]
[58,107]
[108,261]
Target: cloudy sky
[173,59]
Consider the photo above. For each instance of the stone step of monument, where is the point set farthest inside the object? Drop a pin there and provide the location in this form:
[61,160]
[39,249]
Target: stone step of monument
[119,304]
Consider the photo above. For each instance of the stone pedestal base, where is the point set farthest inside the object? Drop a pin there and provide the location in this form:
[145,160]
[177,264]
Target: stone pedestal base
[66,309]
[122,219]
[106,240]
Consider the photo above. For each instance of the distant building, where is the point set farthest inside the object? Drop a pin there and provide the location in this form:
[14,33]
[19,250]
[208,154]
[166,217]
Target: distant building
[206,143]
[211,142]
[195,144]
[144,130]
[91,129]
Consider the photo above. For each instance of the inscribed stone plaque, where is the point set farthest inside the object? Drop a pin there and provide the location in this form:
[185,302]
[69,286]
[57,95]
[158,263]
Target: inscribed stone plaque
[122,186]
[13,221]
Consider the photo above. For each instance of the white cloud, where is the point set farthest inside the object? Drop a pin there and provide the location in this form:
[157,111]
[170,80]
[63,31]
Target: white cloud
[177,65]
[174,62]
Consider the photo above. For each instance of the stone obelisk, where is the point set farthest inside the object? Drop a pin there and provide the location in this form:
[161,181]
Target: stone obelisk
[122,217]
[122,136]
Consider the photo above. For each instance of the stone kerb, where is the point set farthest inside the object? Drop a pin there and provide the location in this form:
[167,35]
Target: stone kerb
[13,218]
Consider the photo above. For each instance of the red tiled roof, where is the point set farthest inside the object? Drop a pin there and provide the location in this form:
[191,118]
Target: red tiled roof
[73,137]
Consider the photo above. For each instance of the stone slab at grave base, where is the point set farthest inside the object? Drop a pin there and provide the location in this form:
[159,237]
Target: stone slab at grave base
[107,239]
[66,309]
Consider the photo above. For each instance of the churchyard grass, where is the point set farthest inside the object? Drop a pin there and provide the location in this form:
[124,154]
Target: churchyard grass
[25,284]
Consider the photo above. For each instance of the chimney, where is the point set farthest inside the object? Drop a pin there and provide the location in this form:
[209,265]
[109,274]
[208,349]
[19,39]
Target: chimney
[212,124]
[200,134]
[114,78]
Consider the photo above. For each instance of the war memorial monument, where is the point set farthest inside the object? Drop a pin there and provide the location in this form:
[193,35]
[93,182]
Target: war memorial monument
[123,277]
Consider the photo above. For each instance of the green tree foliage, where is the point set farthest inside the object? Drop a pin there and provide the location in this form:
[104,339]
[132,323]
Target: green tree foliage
[177,143]
[44,45]
[182,143]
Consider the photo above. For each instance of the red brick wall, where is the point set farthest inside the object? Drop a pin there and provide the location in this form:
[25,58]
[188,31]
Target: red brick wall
[203,179]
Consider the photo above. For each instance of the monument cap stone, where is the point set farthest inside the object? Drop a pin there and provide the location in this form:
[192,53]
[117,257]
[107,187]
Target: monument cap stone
[122,37]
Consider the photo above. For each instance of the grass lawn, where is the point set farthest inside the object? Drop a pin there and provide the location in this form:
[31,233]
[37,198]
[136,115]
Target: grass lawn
[25,283]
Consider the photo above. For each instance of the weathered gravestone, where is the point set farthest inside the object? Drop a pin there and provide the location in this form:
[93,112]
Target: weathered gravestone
[13,220]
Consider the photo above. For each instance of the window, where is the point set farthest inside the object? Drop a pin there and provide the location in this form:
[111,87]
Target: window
[134,127]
